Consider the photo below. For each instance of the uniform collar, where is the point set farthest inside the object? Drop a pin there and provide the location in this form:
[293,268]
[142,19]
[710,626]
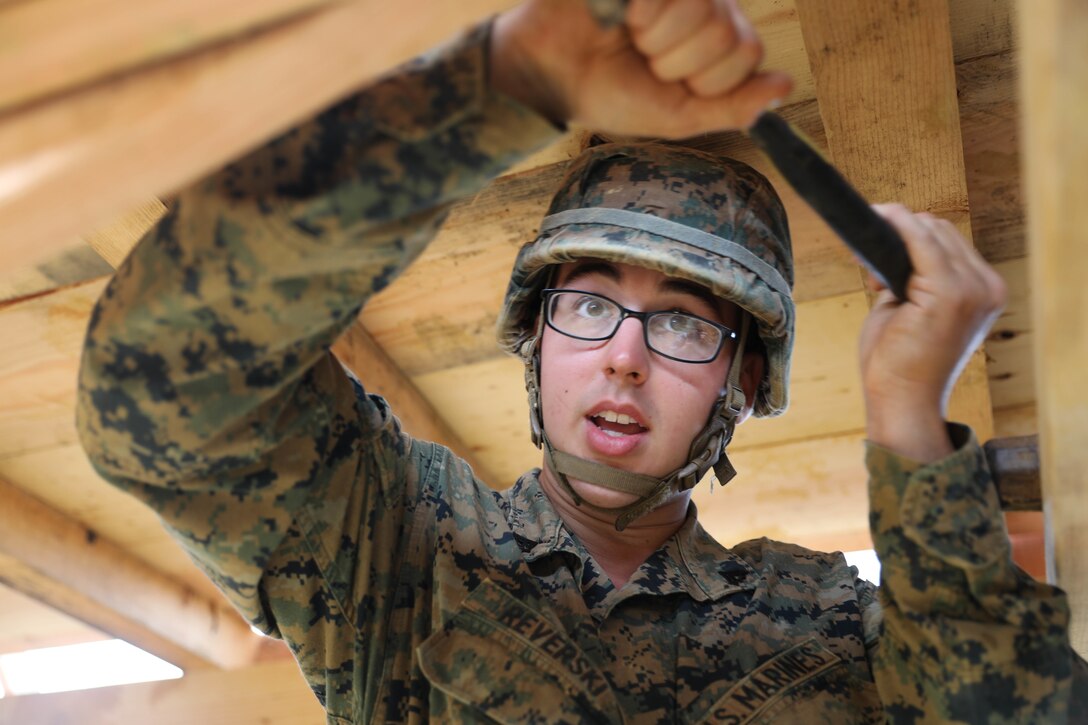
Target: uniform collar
[690,561]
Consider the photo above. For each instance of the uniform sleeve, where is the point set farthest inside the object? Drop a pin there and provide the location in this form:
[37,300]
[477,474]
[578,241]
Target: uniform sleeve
[965,635]
[207,388]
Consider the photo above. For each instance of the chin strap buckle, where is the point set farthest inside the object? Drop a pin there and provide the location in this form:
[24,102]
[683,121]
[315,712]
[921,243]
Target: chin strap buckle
[536,422]
[734,401]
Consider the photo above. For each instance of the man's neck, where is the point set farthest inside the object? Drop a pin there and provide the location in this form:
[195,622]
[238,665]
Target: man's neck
[618,553]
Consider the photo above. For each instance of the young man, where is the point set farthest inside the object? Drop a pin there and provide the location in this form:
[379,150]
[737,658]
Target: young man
[407,588]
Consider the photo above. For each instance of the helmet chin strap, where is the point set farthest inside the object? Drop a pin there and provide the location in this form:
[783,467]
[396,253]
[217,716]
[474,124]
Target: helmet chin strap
[707,448]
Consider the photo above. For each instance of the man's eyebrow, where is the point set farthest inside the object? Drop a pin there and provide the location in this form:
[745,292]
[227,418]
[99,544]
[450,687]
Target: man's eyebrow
[683,286]
[583,269]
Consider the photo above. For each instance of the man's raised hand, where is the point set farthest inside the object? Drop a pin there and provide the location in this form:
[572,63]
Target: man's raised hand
[675,68]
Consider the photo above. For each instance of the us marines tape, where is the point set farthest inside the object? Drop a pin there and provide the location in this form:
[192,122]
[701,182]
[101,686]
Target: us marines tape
[774,678]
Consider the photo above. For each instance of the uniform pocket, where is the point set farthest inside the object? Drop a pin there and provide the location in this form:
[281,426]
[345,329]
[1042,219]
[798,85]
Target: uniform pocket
[504,659]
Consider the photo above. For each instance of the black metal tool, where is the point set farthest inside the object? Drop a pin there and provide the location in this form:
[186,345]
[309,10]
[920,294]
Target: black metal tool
[831,196]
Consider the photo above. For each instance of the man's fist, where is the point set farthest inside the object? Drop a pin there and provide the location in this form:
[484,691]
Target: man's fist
[912,352]
[676,68]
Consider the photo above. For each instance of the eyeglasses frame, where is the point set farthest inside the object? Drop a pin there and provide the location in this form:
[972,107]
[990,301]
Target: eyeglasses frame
[727,333]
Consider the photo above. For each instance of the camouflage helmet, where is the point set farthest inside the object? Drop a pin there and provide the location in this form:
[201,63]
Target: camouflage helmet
[714,221]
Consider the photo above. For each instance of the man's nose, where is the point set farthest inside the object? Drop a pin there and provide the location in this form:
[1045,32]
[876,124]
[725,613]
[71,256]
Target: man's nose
[626,353]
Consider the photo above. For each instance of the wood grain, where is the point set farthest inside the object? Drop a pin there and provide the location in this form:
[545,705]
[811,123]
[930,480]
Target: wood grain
[29,624]
[58,561]
[1054,88]
[49,46]
[886,83]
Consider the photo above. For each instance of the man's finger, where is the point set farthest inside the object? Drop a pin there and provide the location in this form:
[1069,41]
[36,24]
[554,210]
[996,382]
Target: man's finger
[928,257]
[677,22]
[740,107]
[643,13]
[711,44]
[729,72]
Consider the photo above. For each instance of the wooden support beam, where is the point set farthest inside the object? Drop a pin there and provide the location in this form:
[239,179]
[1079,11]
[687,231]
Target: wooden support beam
[68,566]
[1054,90]
[270,694]
[886,86]
[29,624]
[49,46]
[107,146]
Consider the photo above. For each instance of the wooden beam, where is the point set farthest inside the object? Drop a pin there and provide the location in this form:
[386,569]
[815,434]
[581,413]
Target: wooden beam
[270,694]
[1054,89]
[29,624]
[68,566]
[886,87]
[106,147]
[50,46]
[811,493]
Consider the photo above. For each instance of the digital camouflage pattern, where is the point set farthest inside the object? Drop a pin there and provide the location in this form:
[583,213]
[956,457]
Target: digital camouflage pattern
[721,197]
[407,589]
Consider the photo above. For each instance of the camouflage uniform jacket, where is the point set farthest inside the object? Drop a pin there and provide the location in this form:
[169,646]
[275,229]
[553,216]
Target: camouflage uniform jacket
[406,588]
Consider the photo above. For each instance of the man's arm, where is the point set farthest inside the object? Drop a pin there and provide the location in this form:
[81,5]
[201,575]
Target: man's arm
[965,636]
[206,385]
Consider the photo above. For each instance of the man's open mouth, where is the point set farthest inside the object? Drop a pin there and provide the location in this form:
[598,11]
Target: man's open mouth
[616,424]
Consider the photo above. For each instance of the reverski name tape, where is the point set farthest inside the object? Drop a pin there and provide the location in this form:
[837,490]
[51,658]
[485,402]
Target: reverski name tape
[774,677]
[544,638]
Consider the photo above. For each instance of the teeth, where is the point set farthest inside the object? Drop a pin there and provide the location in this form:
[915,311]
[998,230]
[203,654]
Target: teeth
[612,433]
[613,417]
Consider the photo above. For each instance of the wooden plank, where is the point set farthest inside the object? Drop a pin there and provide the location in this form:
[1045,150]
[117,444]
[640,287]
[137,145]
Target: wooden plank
[70,264]
[108,146]
[887,93]
[270,694]
[49,46]
[813,493]
[38,364]
[70,567]
[990,127]
[64,480]
[1017,420]
[1009,346]
[29,624]
[1054,89]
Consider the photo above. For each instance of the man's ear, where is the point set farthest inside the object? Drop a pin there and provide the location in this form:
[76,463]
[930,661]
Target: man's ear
[751,373]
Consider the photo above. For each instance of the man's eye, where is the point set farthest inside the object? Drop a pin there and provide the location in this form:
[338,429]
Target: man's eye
[591,307]
[682,324]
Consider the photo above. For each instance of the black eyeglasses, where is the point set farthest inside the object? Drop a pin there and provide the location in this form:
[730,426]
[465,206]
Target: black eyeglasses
[669,333]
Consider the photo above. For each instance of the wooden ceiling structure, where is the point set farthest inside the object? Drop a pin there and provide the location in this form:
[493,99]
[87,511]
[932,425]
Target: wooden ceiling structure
[914,101]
